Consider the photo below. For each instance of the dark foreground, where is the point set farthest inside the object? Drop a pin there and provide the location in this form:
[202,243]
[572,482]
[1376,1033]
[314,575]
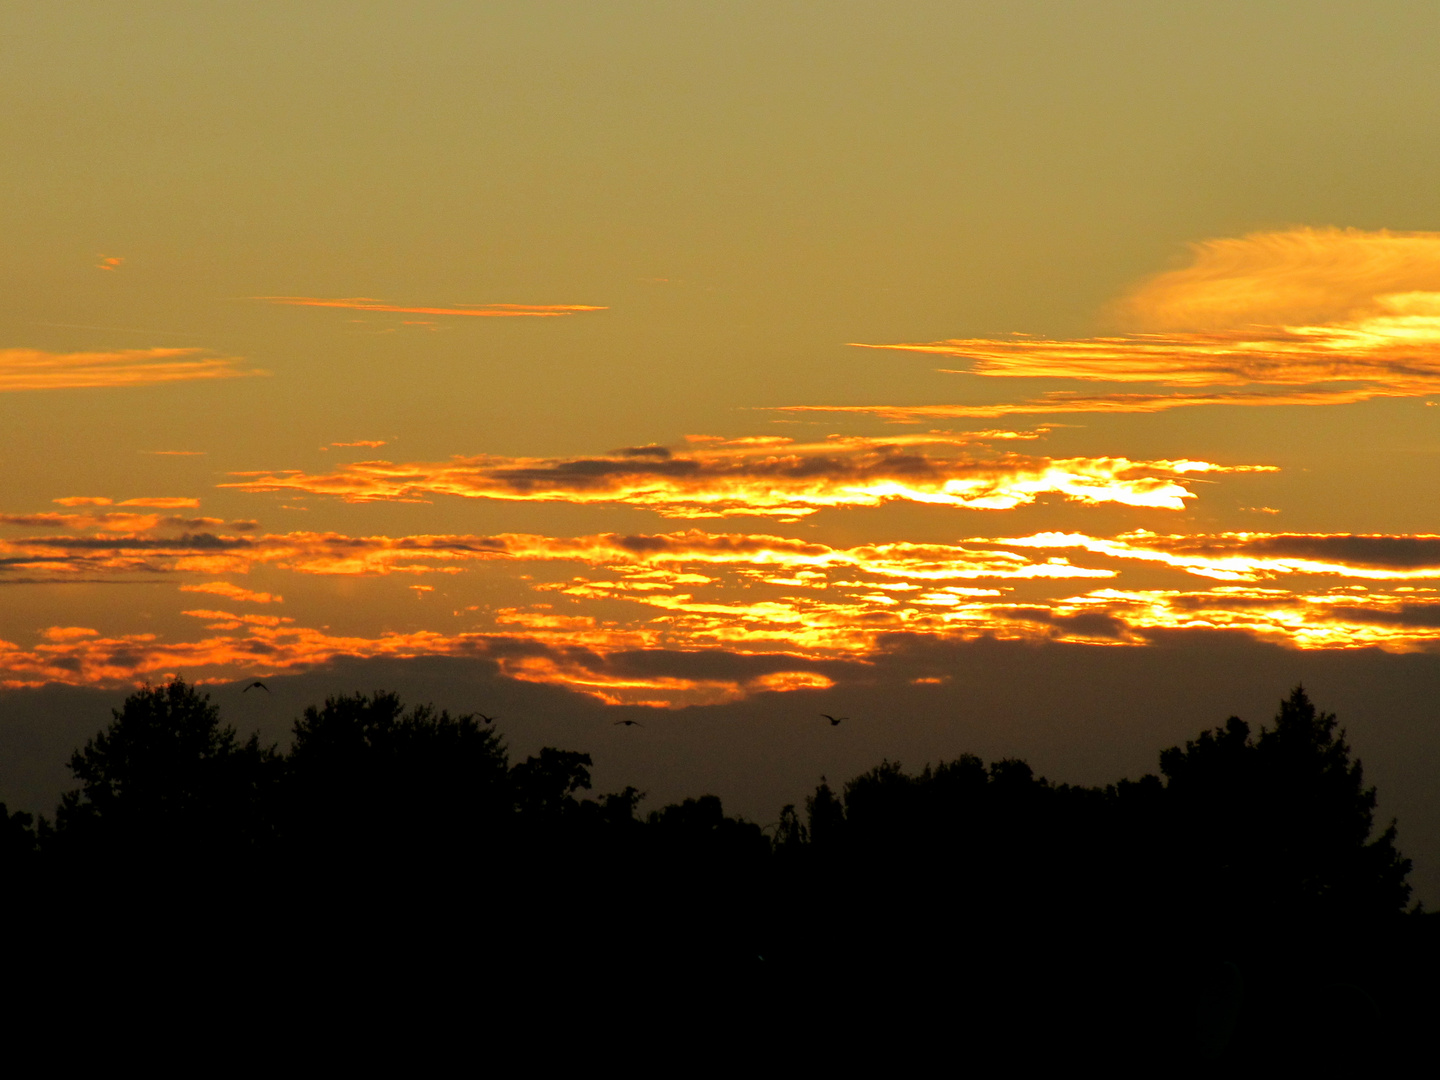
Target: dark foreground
[394,876]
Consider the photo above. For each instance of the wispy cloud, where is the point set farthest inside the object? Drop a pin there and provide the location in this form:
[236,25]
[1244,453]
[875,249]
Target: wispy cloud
[1342,618]
[233,592]
[1295,277]
[1352,315]
[111,522]
[35,369]
[162,503]
[768,477]
[1397,347]
[483,311]
[1062,401]
[1247,556]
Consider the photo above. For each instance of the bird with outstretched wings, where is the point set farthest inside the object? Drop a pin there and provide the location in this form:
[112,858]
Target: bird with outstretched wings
[834,720]
[253,685]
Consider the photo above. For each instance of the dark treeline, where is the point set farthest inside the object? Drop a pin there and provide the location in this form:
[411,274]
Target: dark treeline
[1242,906]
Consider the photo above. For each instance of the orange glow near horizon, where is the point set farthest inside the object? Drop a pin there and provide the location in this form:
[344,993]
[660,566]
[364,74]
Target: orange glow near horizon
[751,595]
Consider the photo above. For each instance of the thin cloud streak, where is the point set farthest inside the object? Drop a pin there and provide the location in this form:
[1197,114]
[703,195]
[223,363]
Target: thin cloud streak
[161,502]
[1063,402]
[482,311]
[35,369]
[1258,556]
[111,522]
[1396,348]
[656,555]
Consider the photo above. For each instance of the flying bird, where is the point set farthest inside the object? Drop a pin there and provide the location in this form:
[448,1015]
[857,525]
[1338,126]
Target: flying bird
[487,719]
[628,723]
[253,685]
[834,720]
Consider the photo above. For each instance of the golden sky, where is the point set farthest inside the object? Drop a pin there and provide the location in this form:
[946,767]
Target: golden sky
[763,333]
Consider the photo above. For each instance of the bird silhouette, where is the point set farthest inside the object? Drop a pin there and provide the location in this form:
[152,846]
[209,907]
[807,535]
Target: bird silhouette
[628,723]
[834,720]
[253,685]
[487,719]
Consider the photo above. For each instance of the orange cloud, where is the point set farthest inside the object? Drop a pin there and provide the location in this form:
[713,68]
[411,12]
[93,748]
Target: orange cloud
[1345,618]
[233,592]
[263,645]
[707,652]
[1248,556]
[109,262]
[503,311]
[372,443]
[770,477]
[1061,401]
[68,633]
[1296,277]
[675,618]
[159,503]
[1308,307]
[1398,347]
[109,522]
[33,369]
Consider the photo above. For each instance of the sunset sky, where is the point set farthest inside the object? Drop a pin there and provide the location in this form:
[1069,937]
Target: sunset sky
[678,354]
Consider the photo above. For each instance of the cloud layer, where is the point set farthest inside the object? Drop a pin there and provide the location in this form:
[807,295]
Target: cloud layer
[767,477]
[586,611]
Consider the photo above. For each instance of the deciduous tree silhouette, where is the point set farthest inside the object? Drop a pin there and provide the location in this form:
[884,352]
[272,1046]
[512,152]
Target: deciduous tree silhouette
[368,782]
[167,784]
[399,843]
[17,840]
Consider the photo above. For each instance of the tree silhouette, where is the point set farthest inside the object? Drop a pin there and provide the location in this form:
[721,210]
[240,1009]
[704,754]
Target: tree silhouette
[367,782]
[545,785]
[167,783]
[1279,828]
[1238,904]
[17,839]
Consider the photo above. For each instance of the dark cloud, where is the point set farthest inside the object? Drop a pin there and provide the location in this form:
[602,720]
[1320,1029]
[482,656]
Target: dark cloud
[1384,552]
[1419,615]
